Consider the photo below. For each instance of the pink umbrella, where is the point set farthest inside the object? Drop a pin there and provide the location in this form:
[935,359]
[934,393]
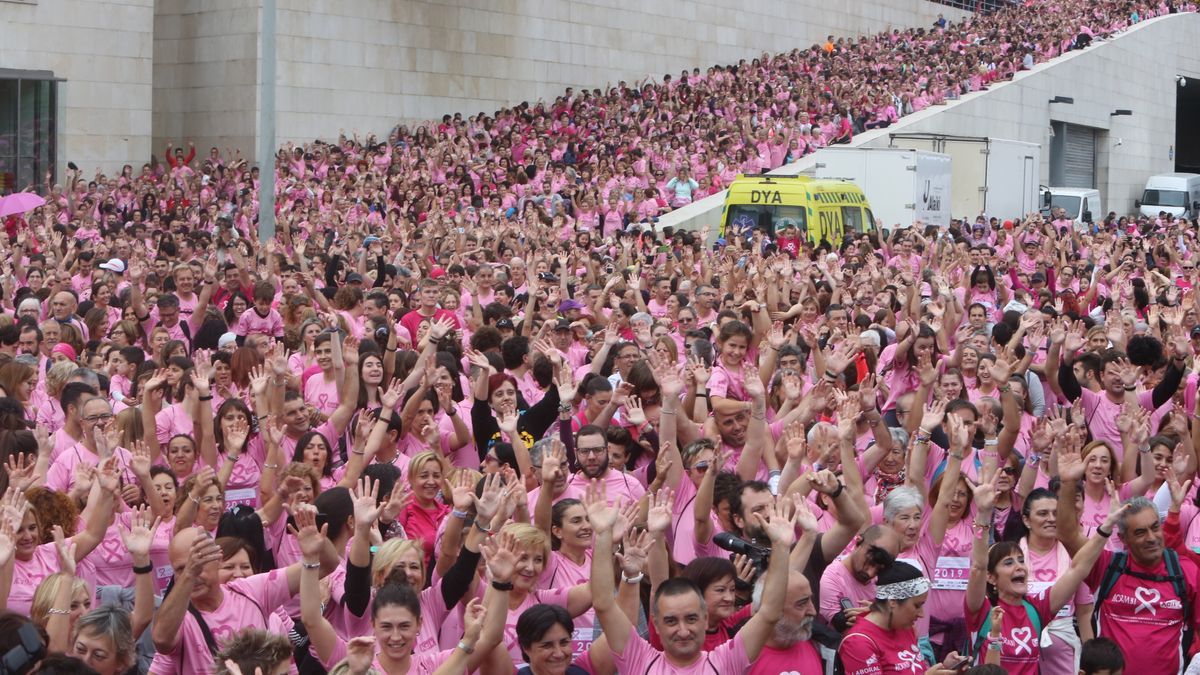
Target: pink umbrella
[20,202]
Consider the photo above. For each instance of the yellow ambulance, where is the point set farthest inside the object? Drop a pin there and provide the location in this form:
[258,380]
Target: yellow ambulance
[824,210]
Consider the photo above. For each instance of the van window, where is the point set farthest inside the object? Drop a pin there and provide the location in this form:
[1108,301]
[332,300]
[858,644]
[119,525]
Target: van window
[852,220]
[744,217]
[870,222]
[1173,198]
[1067,203]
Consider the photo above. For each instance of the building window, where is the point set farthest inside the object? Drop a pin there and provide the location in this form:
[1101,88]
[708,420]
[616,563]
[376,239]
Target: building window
[28,128]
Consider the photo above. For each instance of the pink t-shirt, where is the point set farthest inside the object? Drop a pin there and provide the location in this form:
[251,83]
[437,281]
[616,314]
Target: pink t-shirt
[251,322]
[321,393]
[1142,616]
[640,657]
[727,383]
[684,546]
[1101,415]
[1022,649]
[246,603]
[870,650]
[617,483]
[836,583]
[562,572]
[801,657]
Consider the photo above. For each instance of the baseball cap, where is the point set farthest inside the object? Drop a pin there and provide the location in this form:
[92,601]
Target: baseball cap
[1195,331]
[568,305]
[370,240]
[114,265]
[505,323]
[562,324]
[354,278]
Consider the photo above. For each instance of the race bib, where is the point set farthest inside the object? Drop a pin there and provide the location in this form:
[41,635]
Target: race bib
[247,496]
[951,573]
[1037,587]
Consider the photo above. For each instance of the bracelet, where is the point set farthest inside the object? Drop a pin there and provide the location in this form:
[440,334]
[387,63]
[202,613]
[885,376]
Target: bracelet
[1033,459]
[461,515]
[482,528]
[502,585]
[452,412]
[565,408]
[262,417]
[270,466]
[632,580]
[463,646]
[145,569]
[991,442]
[311,566]
[55,610]
[666,412]
[1005,389]
[702,394]
[838,492]
[206,398]
[1100,531]
[995,644]
[197,501]
[958,456]
[1130,388]
[390,349]
[1144,450]
[357,452]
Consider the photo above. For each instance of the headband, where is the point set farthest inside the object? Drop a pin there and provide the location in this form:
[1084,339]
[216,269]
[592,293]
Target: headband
[902,590]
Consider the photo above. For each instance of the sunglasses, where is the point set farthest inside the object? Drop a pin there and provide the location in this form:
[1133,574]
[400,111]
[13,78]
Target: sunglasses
[1009,470]
[701,467]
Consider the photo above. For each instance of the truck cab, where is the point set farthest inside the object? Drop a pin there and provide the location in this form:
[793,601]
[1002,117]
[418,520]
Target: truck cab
[824,211]
[1082,205]
[1175,193]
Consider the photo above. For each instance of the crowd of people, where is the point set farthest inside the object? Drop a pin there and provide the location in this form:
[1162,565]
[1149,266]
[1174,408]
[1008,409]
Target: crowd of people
[472,411]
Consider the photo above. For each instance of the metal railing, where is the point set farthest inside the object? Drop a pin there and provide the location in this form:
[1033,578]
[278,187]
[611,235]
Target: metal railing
[978,6]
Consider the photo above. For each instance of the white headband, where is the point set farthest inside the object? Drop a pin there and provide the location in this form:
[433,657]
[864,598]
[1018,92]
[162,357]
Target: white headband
[902,590]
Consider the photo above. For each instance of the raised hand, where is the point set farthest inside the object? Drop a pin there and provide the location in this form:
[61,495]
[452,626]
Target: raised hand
[661,511]
[934,414]
[8,538]
[602,516]
[804,516]
[488,503]
[400,497]
[500,554]
[20,471]
[308,536]
[634,413]
[139,536]
[66,551]
[985,491]
[636,552]
[366,503]
[778,523]
[626,515]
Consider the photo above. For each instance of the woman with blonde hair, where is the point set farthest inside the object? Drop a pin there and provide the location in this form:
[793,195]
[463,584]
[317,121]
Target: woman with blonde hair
[49,411]
[424,514]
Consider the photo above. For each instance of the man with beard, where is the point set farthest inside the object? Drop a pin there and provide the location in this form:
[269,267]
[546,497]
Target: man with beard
[591,453]
[789,648]
[853,577]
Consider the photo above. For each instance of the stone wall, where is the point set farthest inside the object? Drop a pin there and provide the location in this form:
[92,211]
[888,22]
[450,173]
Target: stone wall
[102,49]
[366,65]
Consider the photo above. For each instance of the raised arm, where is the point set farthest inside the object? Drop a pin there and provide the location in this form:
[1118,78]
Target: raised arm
[780,525]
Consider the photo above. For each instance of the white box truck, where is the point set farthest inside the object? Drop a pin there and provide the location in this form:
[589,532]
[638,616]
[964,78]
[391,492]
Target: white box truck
[903,186]
[992,176]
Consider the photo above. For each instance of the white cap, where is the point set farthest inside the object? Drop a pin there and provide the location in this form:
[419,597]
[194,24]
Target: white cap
[114,265]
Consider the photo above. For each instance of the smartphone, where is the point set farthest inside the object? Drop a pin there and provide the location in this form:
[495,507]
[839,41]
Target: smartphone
[961,663]
[846,604]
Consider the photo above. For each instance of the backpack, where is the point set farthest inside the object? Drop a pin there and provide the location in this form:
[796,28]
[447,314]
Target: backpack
[975,648]
[1120,565]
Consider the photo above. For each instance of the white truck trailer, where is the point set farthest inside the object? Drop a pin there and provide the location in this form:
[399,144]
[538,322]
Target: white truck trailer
[992,176]
[904,187]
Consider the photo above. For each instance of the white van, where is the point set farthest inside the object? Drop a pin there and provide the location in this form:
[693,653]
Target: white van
[1175,193]
[1082,205]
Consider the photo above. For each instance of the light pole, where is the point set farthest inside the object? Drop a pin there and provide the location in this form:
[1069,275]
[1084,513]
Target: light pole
[266,125]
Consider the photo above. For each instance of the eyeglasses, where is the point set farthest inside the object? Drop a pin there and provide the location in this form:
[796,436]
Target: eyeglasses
[597,450]
[103,417]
